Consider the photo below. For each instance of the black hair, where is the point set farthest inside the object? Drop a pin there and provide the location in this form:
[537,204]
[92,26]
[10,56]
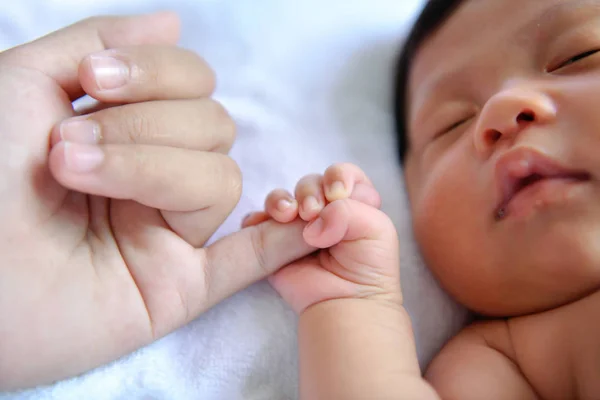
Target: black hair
[433,15]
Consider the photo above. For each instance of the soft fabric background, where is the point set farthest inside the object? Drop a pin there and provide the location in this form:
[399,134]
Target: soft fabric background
[309,85]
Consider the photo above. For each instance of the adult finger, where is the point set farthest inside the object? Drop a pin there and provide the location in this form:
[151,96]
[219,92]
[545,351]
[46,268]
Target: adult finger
[250,255]
[255,218]
[165,178]
[208,126]
[148,72]
[60,53]
[192,280]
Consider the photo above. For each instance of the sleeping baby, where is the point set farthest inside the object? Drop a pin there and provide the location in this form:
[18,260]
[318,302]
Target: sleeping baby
[497,122]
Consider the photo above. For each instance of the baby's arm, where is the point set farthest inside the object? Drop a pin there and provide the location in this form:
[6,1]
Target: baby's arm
[355,337]
[360,346]
[358,349]
[479,364]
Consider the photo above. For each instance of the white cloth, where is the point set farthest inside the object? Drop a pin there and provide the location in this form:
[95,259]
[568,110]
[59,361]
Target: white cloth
[309,84]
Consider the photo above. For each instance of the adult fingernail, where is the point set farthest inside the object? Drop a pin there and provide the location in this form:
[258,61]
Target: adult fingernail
[82,158]
[109,72]
[82,131]
[336,191]
[315,227]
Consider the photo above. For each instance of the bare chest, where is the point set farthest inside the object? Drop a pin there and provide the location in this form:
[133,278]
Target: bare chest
[559,351]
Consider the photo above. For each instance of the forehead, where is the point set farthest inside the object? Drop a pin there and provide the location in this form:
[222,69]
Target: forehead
[483,32]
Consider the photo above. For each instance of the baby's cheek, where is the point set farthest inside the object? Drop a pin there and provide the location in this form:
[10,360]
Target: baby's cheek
[448,216]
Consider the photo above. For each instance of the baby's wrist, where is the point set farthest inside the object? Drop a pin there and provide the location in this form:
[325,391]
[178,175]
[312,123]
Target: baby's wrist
[391,300]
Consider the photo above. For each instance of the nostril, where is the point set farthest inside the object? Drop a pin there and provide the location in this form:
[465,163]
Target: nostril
[526,116]
[493,135]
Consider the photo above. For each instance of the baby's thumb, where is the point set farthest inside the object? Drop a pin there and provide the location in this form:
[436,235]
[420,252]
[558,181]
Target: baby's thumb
[349,220]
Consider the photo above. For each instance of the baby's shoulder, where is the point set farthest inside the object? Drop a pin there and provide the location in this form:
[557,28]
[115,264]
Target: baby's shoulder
[479,363]
[512,358]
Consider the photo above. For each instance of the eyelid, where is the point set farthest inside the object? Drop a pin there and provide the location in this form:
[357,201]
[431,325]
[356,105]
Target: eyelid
[451,127]
[577,56]
[584,38]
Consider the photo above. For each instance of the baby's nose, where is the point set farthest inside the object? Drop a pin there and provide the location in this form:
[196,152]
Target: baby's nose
[508,113]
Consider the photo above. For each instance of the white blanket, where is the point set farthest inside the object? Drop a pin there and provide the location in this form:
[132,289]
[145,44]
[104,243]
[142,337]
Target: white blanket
[308,83]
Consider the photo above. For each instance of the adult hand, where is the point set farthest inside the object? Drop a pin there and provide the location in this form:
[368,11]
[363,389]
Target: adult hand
[105,211]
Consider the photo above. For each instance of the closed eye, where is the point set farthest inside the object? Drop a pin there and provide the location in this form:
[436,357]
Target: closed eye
[575,59]
[453,127]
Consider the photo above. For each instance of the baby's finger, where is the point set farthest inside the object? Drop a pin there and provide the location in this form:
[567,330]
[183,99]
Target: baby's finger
[255,218]
[349,220]
[362,245]
[346,180]
[147,72]
[207,126]
[310,197]
[281,206]
[165,178]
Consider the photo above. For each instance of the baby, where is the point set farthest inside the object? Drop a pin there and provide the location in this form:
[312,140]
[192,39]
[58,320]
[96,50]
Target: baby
[497,124]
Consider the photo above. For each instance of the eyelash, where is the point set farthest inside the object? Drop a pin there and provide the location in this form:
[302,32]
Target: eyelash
[452,127]
[575,59]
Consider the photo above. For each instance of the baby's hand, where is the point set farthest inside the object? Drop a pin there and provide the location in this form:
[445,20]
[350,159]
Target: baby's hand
[359,245]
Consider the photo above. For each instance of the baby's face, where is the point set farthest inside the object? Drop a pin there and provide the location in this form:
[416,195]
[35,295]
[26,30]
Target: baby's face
[504,167]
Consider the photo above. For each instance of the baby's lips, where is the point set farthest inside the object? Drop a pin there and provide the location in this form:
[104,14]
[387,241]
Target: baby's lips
[517,165]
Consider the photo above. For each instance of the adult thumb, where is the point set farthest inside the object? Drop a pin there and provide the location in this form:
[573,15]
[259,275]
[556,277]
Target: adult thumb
[59,53]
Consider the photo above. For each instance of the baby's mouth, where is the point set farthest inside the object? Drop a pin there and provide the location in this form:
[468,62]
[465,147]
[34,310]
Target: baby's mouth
[523,169]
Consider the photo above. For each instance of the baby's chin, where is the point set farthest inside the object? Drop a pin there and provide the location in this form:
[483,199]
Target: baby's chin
[559,269]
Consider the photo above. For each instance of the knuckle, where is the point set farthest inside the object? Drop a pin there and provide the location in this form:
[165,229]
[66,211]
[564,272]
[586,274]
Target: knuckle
[93,20]
[233,175]
[144,68]
[258,241]
[140,127]
[225,124]
[207,276]
[203,80]
[144,166]
[209,76]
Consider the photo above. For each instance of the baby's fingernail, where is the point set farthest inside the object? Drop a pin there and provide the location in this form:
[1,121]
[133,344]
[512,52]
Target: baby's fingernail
[315,227]
[109,72]
[80,131]
[284,205]
[336,191]
[310,204]
[82,158]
